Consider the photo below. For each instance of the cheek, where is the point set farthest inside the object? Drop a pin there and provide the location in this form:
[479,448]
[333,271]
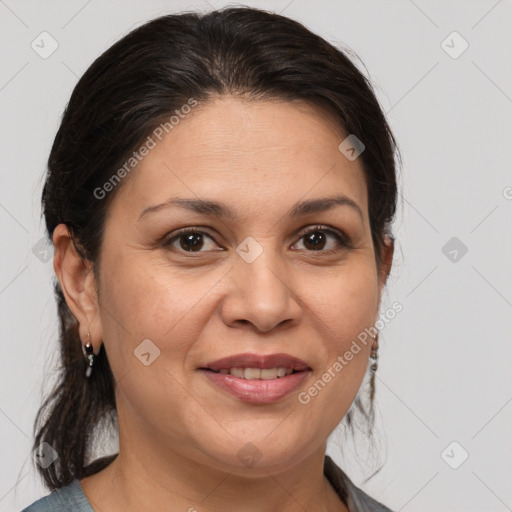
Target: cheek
[148,330]
[348,307]
[348,304]
[148,303]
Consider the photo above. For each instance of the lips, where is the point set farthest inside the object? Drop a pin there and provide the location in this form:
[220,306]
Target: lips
[257,378]
[257,362]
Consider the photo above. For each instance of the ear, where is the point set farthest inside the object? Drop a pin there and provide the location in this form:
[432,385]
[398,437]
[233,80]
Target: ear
[387,260]
[78,284]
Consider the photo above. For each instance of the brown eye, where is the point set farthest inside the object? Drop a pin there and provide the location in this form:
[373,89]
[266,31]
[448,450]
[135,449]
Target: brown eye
[316,239]
[188,240]
[191,242]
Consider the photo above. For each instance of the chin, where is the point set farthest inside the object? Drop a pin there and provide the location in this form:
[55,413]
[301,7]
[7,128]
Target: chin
[257,456]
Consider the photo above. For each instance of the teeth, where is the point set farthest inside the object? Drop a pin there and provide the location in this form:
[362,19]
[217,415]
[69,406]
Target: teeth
[267,374]
[252,373]
[257,373]
[237,372]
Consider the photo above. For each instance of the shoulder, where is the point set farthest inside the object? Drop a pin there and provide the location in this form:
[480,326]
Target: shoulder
[356,499]
[68,498]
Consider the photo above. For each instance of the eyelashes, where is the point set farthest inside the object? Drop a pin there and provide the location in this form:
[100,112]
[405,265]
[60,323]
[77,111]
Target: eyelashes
[342,240]
[195,238]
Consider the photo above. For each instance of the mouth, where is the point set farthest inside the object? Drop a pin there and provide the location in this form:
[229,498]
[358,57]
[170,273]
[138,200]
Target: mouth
[257,378]
[257,366]
[256,373]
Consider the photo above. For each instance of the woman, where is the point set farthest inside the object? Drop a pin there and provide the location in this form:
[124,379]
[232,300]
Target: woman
[219,196]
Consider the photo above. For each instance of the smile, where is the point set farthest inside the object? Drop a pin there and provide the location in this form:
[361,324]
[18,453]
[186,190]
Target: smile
[256,373]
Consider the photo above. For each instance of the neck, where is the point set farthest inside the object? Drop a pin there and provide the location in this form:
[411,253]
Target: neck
[139,480]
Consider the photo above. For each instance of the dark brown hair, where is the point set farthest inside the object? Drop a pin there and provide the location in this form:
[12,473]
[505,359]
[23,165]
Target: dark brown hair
[125,94]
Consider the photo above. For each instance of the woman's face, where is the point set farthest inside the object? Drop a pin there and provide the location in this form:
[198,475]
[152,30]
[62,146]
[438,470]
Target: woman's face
[248,282]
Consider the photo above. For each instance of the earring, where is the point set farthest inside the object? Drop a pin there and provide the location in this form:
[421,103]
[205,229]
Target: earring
[89,355]
[374,353]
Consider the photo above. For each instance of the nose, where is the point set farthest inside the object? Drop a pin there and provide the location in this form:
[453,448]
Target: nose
[260,295]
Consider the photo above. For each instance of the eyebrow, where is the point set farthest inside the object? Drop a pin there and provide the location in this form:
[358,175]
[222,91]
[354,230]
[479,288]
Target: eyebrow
[218,209]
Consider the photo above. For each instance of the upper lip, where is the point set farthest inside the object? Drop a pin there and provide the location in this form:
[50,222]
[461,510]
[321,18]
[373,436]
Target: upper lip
[258,361]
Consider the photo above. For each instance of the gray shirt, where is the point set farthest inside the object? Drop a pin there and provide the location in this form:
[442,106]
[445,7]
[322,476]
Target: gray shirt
[72,498]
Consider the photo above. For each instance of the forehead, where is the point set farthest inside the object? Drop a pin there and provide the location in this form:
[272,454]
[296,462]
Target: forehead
[247,152]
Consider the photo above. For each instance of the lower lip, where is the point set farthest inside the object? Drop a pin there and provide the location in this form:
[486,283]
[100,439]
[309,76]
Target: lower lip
[257,390]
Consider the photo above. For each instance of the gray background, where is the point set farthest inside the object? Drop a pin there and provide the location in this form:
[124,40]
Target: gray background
[444,372]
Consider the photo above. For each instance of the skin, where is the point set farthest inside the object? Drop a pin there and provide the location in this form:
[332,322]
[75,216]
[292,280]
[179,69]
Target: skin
[179,434]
